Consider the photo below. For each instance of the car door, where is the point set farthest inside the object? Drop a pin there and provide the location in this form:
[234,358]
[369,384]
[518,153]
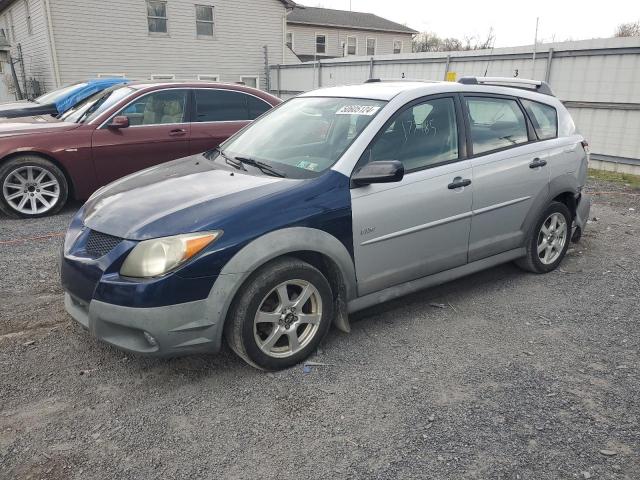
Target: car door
[510,173]
[158,131]
[420,225]
[220,113]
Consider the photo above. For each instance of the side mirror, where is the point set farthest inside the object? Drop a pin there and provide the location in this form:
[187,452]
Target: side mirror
[119,122]
[384,171]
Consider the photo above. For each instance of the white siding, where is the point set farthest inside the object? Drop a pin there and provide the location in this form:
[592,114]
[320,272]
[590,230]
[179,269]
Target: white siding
[35,45]
[305,40]
[98,36]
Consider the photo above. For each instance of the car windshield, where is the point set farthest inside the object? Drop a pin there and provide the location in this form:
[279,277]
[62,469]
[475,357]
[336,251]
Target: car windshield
[95,105]
[303,137]
[53,97]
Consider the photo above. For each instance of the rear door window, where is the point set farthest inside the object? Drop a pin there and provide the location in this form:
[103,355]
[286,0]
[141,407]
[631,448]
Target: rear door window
[495,123]
[544,118]
[220,106]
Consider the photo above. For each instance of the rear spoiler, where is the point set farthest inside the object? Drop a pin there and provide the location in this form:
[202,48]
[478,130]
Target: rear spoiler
[522,83]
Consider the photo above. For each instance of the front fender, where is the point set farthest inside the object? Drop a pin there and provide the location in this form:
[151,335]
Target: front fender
[266,248]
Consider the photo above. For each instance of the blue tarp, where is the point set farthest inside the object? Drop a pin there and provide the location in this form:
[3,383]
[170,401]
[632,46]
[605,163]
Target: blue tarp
[84,90]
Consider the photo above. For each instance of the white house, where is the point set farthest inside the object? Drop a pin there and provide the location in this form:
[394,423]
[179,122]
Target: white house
[62,41]
[320,33]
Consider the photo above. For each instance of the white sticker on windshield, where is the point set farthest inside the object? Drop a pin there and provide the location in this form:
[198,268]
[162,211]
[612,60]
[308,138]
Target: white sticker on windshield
[368,110]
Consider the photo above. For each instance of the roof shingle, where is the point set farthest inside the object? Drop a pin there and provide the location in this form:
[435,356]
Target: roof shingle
[345,18]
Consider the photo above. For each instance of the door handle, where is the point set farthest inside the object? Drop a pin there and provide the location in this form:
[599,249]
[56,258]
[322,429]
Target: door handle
[178,132]
[459,182]
[537,162]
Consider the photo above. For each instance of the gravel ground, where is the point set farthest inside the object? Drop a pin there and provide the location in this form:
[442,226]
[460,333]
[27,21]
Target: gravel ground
[518,377]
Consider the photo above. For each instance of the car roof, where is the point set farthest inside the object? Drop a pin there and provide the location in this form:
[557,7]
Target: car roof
[387,90]
[374,91]
[140,84]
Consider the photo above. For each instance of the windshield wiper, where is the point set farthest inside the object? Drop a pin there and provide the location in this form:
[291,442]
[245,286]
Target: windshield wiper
[228,160]
[264,167]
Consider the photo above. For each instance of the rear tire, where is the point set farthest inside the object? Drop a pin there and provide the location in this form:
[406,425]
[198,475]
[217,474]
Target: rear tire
[280,315]
[549,240]
[31,187]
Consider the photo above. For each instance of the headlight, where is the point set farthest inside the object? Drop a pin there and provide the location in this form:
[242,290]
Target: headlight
[152,258]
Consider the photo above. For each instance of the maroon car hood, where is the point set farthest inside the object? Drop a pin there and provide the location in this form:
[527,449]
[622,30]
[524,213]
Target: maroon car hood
[27,125]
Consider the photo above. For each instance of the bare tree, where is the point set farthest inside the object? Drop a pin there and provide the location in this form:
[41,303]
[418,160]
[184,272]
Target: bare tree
[631,29]
[430,42]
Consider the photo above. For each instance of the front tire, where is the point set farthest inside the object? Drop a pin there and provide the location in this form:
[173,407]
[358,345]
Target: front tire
[280,315]
[31,187]
[549,240]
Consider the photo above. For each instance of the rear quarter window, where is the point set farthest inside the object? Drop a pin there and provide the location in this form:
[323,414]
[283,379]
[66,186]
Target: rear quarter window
[544,118]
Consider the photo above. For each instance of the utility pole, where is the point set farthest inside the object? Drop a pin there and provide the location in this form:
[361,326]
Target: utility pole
[535,47]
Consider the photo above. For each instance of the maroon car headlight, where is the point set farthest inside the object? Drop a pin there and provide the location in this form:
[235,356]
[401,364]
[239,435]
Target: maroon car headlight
[152,258]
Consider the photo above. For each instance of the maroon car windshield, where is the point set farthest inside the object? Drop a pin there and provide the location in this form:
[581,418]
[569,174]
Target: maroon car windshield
[95,105]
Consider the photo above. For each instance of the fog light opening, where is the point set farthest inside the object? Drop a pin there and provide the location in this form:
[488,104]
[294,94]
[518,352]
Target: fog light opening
[152,341]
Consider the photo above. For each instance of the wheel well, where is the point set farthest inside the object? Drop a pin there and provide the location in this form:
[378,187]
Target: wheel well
[569,200]
[328,268]
[44,156]
[332,273]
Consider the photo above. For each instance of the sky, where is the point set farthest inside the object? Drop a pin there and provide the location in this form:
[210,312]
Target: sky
[514,23]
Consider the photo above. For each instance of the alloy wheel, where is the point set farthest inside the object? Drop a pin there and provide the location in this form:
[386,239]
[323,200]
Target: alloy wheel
[288,318]
[31,190]
[552,238]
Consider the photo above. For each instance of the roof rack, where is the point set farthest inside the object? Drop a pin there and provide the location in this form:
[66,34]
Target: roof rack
[381,80]
[523,83]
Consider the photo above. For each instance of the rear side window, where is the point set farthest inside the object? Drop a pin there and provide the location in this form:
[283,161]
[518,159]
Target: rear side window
[220,106]
[544,118]
[495,123]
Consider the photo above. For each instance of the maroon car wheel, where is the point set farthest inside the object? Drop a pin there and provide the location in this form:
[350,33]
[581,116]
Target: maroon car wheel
[31,187]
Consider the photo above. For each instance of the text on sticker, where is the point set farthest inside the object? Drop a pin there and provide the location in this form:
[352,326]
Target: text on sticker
[358,110]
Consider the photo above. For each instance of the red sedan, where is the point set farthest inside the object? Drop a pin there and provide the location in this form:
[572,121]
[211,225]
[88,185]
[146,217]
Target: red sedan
[44,161]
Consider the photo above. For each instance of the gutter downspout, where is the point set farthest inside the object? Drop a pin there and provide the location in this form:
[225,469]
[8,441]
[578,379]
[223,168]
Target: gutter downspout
[52,44]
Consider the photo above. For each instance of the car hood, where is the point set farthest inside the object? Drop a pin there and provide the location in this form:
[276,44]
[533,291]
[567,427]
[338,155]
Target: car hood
[24,108]
[35,124]
[186,195]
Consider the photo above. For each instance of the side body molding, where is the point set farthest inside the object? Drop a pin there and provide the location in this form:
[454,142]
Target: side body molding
[273,245]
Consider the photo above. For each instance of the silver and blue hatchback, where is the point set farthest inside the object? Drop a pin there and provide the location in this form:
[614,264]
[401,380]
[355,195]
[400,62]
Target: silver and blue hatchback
[334,201]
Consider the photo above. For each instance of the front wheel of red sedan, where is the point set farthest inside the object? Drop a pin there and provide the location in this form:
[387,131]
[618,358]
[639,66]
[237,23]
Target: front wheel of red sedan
[31,187]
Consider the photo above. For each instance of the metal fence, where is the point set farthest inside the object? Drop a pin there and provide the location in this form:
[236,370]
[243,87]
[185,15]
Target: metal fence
[598,80]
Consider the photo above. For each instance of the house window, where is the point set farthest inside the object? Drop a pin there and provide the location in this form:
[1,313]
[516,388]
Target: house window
[352,45]
[321,43]
[250,81]
[157,16]
[204,20]
[162,76]
[397,46]
[371,46]
[289,41]
[209,78]
[28,15]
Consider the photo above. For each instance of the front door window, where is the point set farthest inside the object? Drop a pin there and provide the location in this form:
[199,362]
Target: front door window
[158,108]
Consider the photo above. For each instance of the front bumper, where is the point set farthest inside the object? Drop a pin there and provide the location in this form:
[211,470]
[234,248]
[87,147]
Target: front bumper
[166,331]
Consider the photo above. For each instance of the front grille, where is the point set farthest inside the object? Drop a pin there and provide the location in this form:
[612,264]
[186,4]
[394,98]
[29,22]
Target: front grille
[99,244]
